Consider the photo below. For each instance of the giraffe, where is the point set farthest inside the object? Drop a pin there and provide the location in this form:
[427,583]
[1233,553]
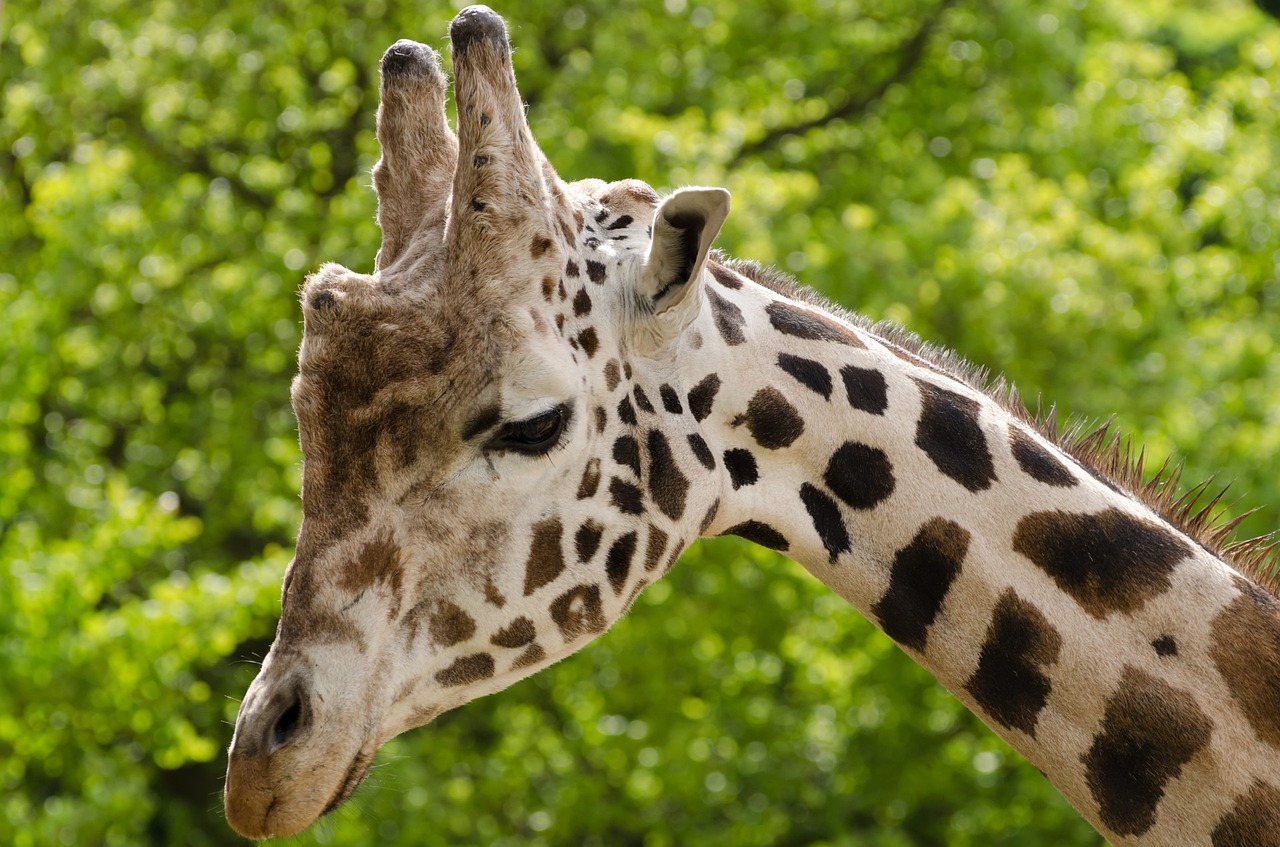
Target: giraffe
[546,391]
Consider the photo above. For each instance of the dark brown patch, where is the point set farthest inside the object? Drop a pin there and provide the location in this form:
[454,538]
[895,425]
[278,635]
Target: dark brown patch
[742,467]
[701,451]
[590,479]
[920,578]
[578,611]
[617,564]
[949,433]
[667,484]
[378,561]
[760,533]
[582,303]
[827,521]
[541,244]
[703,396]
[560,291]
[865,388]
[724,276]
[1254,819]
[626,452]
[571,268]
[531,656]
[625,497]
[590,343]
[709,517]
[448,625]
[670,399]
[1246,651]
[518,633]
[728,319]
[860,475]
[1108,561]
[612,374]
[812,375]
[1009,683]
[1037,462]
[546,559]
[773,422]
[642,400]
[626,411]
[602,419]
[1165,646]
[1149,731]
[621,223]
[466,669]
[654,548]
[491,593]
[587,540]
[799,322]
[595,271]
[548,288]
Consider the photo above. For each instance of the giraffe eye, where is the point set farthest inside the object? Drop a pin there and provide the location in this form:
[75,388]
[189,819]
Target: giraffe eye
[533,436]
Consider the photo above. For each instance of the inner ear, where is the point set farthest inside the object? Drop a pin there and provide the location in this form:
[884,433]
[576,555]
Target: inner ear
[684,227]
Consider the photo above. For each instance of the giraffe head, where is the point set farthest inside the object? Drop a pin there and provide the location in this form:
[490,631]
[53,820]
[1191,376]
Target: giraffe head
[481,493]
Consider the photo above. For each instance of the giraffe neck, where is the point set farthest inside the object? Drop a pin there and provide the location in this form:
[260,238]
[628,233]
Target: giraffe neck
[1134,668]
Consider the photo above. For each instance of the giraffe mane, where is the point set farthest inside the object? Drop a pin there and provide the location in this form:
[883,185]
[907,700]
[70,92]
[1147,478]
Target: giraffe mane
[1107,455]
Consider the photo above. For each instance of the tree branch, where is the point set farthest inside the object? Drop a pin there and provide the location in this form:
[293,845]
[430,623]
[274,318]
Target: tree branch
[911,53]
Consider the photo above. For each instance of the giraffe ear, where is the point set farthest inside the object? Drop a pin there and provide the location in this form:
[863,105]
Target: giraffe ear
[685,225]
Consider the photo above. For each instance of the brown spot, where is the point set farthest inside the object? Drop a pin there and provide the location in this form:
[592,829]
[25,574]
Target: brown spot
[1109,561]
[581,303]
[571,268]
[578,612]
[797,321]
[1037,462]
[531,656]
[921,576]
[1254,819]
[949,433]
[1149,731]
[466,669]
[546,560]
[667,484]
[772,420]
[518,633]
[612,374]
[541,244]
[625,496]
[590,479]
[1246,650]
[654,548]
[449,624]
[491,593]
[602,419]
[709,518]
[617,564]
[1010,683]
[587,338]
[548,288]
[378,561]
[587,540]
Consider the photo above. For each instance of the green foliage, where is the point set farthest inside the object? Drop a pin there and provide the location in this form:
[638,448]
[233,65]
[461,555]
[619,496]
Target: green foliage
[1084,195]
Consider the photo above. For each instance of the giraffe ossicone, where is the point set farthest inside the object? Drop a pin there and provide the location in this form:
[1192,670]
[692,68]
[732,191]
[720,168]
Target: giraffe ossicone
[547,390]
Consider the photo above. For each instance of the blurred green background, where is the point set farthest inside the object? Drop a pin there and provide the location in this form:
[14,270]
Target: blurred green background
[1082,194]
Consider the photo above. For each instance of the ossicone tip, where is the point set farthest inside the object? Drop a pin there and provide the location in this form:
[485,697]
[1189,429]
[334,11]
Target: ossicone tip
[474,23]
[410,57]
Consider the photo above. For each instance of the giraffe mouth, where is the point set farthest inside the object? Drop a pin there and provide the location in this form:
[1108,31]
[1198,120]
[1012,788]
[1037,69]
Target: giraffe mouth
[351,780]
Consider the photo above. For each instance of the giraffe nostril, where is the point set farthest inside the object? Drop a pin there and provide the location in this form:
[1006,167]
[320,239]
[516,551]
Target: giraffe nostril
[289,725]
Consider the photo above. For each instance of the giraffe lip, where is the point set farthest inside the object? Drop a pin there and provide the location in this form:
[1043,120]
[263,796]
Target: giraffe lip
[356,773]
